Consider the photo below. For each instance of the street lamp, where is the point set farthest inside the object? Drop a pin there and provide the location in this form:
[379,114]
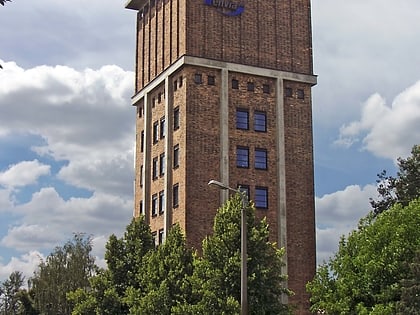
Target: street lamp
[244,286]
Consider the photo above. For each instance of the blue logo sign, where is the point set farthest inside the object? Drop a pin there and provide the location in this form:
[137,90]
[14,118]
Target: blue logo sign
[227,7]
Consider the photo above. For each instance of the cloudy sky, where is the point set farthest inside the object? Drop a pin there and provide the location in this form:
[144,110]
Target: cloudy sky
[67,127]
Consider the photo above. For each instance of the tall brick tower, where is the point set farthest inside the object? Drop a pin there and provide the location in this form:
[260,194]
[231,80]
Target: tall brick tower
[223,91]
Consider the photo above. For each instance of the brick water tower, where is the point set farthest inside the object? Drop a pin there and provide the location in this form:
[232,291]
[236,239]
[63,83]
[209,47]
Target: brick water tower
[223,91]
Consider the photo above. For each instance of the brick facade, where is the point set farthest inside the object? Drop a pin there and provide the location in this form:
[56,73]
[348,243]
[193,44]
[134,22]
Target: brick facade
[196,67]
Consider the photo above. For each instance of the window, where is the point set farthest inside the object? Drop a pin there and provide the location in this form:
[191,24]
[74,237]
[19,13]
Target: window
[242,157]
[155,168]
[153,102]
[154,205]
[288,92]
[198,78]
[161,236]
[260,121]
[159,97]
[211,80]
[242,119]
[176,156]
[155,132]
[300,94]
[141,210]
[162,164]
[250,86]
[175,85]
[261,197]
[180,81]
[261,159]
[235,84]
[161,202]
[162,127]
[175,197]
[176,118]
[142,141]
[141,175]
[140,111]
[266,88]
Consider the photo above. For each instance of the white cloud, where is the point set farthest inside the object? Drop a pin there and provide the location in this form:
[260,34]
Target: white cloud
[386,131]
[26,263]
[337,214]
[23,173]
[73,111]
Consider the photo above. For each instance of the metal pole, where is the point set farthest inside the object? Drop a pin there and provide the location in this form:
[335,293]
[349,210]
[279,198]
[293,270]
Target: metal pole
[244,276]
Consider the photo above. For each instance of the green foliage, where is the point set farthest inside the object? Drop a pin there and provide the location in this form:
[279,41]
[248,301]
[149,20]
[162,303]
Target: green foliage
[401,189]
[364,277]
[124,256]
[66,269]
[410,292]
[216,278]
[164,280]
[10,292]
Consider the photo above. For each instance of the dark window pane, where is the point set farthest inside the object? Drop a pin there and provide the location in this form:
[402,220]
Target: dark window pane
[155,132]
[162,164]
[250,86]
[162,128]
[211,80]
[155,168]
[198,78]
[161,202]
[242,157]
[261,159]
[242,119]
[175,197]
[261,197]
[176,118]
[235,84]
[260,121]
[154,204]
[176,156]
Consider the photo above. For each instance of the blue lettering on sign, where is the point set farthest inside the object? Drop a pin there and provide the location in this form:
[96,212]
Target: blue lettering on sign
[226,7]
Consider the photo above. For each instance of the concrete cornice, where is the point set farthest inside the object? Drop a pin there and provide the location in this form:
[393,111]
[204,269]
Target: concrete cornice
[230,67]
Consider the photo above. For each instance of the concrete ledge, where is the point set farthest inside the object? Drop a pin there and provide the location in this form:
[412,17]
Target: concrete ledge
[135,4]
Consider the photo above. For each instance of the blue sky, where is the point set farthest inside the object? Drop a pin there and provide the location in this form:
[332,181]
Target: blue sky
[67,127]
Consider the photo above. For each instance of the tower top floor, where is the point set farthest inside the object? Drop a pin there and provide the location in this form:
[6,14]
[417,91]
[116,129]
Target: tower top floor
[273,34]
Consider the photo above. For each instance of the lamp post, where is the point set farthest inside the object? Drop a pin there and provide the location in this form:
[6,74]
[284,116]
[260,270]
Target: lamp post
[244,277]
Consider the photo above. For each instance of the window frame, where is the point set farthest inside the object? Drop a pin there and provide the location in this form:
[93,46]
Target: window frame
[176,118]
[155,132]
[154,205]
[258,126]
[176,156]
[261,192]
[155,168]
[261,162]
[240,124]
[242,159]
[175,196]
[161,202]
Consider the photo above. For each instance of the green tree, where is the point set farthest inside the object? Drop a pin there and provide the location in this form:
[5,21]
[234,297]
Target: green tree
[164,278]
[403,188]
[410,292]
[9,293]
[125,259]
[66,269]
[216,278]
[364,276]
